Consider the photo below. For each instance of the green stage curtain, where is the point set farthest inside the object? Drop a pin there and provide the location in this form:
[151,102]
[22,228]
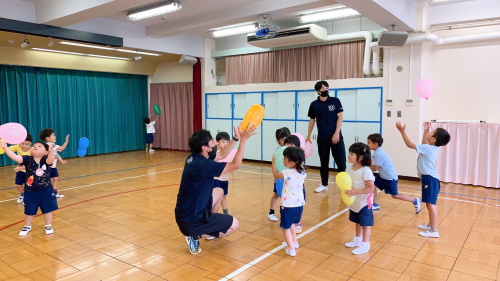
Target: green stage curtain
[107,108]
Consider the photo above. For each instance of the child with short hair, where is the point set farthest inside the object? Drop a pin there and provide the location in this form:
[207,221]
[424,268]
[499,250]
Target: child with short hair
[426,169]
[292,204]
[295,142]
[387,178]
[360,211]
[22,149]
[222,181]
[281,135]
[49,136]
[150,130]
[38,192]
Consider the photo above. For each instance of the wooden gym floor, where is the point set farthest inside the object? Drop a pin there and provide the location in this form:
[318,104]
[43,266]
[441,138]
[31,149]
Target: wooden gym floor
[117,223]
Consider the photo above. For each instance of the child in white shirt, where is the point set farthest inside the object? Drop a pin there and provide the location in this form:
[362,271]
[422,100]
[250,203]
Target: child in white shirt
[360,212]
[292,197]
[150,130]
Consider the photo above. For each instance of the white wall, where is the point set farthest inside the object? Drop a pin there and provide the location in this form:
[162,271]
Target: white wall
[17,10]
[172,72]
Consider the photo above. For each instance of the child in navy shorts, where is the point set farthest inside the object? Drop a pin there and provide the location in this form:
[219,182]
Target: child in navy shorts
[292,197]
[222,181]
[426,170]
[387,178]
[38,191]
[360,211]
[150,130]
[294,141]
[281,135]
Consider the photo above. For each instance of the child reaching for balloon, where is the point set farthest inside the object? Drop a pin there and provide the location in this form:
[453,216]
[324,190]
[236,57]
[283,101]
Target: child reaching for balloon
[150,130]
[292,203]
[360,211]
[295,141]
[281,135]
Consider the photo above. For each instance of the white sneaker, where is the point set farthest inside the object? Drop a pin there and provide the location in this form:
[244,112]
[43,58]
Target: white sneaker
[25,230]
[321,188]
[210,237]
[272,217]
[295,245]
[289,252]
[425,226]
[59,195]
[362,249]
[20,199]
[356,242]
[151,150]
[147,149]
[433,233]
[49,229]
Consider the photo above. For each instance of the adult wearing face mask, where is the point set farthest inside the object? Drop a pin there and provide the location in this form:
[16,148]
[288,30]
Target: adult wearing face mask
[328,112]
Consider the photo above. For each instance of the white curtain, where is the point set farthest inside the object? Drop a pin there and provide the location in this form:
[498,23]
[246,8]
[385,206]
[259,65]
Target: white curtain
[472,156]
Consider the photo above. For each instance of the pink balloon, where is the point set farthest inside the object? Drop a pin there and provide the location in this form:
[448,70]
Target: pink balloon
[309,149]
[13,133]
[425,88]
[230,157]
[302,140]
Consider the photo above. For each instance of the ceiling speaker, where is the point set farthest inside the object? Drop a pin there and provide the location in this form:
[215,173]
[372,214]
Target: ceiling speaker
[392,38]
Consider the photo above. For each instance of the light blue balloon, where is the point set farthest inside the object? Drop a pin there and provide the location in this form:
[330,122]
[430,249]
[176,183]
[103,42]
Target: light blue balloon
[278,158]
[84,143]
[279,186]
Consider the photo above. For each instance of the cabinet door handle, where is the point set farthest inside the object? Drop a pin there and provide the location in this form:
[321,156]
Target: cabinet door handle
[234,105]
[230,106]
[298,105]
[293,106]
[208,106]
[264,105]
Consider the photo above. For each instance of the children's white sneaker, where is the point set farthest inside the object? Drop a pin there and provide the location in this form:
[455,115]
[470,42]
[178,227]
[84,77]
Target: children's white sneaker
[59,195]
[210,237]
[20,199]
[425,226]
[321,188]
[25,230]
[272,217]
[362,249]
[375,207]
[151,150]
[356,242]
[433,233]
[49,229]
[295,245]
[289,252]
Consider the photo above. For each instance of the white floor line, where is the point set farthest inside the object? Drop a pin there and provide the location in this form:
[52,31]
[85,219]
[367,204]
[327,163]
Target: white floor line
[252,172]
[108,181]
[264,256]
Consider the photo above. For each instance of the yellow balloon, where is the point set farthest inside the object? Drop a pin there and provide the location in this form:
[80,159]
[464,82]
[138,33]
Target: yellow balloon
[253,116]
[344,182]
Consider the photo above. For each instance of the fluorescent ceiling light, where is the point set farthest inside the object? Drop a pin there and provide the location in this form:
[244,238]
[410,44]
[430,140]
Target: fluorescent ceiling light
[108,48]
[79,54]
[338,13]
[242,29]
[155,10]
[107,57]
[136,52]
[56,51]
[87,46]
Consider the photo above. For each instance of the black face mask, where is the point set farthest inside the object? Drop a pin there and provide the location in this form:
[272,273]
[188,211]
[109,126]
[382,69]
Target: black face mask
[324,93]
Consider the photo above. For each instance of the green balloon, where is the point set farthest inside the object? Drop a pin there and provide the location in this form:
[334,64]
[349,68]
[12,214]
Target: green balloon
[278,158]
[157,109]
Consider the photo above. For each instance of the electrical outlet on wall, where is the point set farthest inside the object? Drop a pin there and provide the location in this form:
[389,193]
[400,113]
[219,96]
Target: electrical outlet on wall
[388,113]
[399,113]
[388,102]
[409,102]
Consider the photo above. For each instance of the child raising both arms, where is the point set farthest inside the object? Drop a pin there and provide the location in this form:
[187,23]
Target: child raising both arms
[292,203]
[49,136]
[426,170]
[38,192]
[360,212]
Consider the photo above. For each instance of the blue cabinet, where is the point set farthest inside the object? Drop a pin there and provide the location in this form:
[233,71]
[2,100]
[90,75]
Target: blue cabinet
[362,116]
